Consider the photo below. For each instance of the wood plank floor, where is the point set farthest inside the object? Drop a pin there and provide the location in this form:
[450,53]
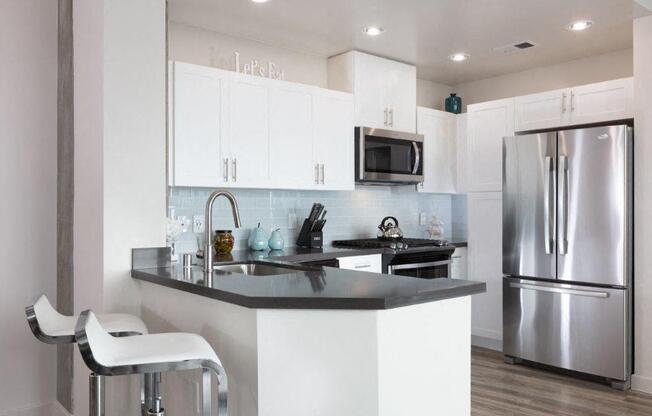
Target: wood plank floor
[500,389]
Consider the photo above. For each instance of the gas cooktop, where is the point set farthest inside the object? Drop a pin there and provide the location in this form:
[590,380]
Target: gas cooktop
[399,243]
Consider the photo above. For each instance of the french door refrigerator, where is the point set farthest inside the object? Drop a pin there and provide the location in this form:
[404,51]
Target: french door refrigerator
[567,250]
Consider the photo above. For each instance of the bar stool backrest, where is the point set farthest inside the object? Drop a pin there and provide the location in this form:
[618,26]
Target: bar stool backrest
[48,325]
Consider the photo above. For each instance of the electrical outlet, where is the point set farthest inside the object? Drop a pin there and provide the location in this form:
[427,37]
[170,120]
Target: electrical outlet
[198,224]
[292,220]
[423,218]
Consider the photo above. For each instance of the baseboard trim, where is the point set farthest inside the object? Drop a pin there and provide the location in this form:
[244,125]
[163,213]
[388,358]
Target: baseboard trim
[642,383]
[486,342]
[48,409]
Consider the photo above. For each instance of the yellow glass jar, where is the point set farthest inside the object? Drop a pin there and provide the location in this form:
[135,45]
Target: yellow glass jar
[223,242]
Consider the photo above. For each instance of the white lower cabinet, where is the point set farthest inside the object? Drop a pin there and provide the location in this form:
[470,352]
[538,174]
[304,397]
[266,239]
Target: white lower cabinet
[485,255]
[372,263]
[459,269]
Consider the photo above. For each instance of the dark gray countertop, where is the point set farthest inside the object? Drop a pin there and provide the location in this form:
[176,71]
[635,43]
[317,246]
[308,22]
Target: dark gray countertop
[304,288]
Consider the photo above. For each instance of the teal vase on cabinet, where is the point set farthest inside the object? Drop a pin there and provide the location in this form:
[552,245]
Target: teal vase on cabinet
[453,104]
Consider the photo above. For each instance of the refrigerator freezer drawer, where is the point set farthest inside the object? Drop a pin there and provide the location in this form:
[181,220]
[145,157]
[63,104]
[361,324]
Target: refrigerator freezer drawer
[567,326]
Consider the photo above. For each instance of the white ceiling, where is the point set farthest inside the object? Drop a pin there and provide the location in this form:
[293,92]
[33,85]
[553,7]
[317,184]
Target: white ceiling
[425,32]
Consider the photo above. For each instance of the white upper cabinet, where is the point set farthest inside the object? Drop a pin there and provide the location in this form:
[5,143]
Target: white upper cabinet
[604,101]
[241,131]
[248,133]
[196,126]
[461,147]
[540,111]
[592,103]
[487,124]
[333,141]
[440,150]
[385,91]
[290,132]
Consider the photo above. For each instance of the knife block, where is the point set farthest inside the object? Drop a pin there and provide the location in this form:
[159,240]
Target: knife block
[309,239]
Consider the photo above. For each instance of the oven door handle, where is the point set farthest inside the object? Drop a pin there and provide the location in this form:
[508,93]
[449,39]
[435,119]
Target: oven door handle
[418,265]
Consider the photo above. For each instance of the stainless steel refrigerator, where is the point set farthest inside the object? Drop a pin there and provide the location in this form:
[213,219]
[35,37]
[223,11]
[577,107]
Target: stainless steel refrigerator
[567,250]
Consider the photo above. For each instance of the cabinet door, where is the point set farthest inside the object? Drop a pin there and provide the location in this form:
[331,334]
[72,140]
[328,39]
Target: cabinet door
[370,91]
[604,101]
[485,262]
[248,138]
[462,153]
[439,155]
[290,136]
[459,269]
[196,105]
[372,263]
[333,141]
[541,111]
[402,97]
[488,123]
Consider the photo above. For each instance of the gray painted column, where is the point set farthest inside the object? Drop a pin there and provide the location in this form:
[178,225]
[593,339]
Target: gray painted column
[65,194]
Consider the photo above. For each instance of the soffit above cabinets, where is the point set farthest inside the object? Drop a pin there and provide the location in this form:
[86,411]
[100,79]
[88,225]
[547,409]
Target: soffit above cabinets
[426,32]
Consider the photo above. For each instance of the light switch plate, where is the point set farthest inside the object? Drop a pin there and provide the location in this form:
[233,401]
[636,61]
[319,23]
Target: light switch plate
[423,218]
[198,224]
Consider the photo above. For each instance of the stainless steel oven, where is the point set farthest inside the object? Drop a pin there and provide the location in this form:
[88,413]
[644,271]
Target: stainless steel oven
[387,156]
[430,265]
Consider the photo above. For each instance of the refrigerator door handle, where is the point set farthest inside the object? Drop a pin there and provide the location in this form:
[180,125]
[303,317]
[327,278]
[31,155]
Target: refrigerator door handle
[549,220]
[563,205]
[560,290]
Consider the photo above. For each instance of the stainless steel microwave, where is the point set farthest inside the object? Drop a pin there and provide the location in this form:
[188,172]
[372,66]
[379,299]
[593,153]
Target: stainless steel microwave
[388,157]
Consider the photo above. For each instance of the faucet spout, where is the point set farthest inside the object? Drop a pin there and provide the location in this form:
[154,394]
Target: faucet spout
[208,248]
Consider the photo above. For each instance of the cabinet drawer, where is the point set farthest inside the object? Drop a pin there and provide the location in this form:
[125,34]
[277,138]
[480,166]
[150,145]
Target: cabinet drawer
[371,263]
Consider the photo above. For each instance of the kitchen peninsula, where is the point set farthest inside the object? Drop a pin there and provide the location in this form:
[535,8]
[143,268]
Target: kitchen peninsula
[319,340]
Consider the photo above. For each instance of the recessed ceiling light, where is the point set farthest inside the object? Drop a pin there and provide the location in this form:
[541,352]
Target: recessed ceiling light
[580,25]
[458,57]
[260,1]
[373,30]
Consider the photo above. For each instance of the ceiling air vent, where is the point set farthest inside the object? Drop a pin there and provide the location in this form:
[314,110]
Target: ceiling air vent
[515,47]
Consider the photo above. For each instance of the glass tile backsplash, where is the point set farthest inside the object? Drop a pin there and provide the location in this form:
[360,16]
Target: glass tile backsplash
[354,214]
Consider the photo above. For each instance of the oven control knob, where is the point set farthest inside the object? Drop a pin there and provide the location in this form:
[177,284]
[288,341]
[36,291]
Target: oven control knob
[392,246]
[405,245]
[400,245]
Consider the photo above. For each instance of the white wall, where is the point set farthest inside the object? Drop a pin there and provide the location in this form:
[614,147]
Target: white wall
[581,71]
[431,94]
[205,47]
[28,182]
[120,192]
[643,202]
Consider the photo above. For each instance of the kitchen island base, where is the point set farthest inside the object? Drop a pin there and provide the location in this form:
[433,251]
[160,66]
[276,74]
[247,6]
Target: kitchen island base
[413,360]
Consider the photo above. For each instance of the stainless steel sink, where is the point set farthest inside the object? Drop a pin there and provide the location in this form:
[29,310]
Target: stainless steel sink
[257,269]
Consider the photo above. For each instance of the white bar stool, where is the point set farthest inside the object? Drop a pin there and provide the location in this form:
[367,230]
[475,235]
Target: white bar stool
[51,327]
[154,353]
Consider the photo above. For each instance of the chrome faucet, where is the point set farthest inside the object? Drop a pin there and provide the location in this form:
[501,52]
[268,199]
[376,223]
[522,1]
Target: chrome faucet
[208,248]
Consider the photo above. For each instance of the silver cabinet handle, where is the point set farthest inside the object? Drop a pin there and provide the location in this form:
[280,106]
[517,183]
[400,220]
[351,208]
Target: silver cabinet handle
[226,169]
[316,173]
[234,175]
[563,103]
[385,117]
[549,216]
[417,159]
[560,290]
[391,117]
[572,100]
[362,266]
[563,205]
[321,173]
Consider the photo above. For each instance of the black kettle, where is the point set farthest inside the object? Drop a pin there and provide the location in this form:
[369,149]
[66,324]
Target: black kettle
[388,229]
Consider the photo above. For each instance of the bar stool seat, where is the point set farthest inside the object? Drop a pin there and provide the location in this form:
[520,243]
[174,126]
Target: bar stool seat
[110,356]
[51,327]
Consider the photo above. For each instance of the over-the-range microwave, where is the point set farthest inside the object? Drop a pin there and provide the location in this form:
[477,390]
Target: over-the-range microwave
[387,157]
